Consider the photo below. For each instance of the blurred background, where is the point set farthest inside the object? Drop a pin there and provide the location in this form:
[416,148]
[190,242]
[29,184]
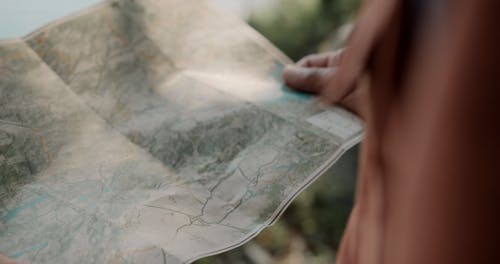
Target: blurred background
[297,27]
[310,229]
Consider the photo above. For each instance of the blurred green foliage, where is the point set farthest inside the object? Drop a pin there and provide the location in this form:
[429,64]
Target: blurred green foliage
[298,26]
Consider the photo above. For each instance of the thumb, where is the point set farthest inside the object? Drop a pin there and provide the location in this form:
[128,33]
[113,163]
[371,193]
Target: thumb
[311,80]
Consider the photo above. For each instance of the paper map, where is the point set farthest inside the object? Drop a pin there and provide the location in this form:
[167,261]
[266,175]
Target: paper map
[143,131]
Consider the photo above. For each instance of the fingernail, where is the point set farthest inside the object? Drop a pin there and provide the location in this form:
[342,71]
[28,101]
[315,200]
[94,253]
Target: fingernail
[289,67]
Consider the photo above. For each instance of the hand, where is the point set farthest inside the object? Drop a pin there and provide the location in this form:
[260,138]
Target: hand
[316,73]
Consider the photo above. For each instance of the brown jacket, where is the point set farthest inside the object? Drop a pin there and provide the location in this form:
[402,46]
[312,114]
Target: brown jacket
[428,186]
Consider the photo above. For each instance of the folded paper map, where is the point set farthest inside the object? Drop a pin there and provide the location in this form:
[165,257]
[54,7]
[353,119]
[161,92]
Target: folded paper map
[145,131]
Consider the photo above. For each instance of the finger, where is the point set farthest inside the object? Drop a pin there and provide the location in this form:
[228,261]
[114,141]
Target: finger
[339,91]
[329,59]
[314,60]
[311,80]
[335,57]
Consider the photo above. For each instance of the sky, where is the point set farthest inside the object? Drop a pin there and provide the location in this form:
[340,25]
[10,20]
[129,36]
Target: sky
[20,17]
